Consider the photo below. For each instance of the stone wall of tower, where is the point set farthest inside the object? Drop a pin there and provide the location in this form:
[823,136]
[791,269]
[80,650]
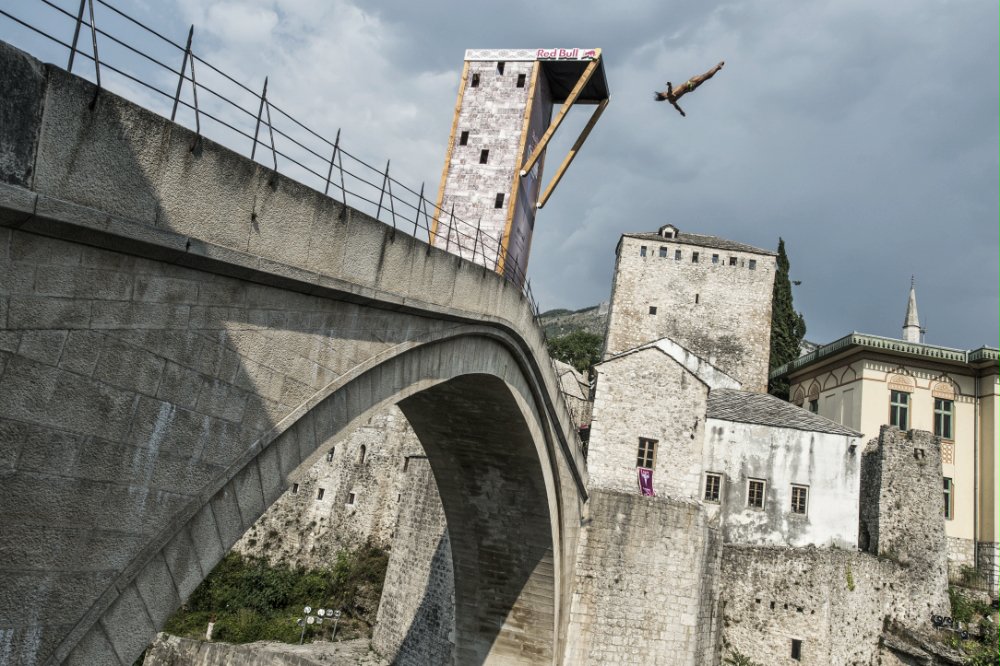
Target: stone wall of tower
[718,311]
[491,110]
[901,515]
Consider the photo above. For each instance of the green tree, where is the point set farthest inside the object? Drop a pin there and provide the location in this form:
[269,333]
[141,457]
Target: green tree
[579,348]
[787,326]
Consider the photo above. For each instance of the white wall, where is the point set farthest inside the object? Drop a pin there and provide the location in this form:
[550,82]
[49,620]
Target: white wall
[782,457]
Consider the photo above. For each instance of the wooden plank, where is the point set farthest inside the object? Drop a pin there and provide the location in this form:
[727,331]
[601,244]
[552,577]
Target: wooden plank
[567,105]
[571,155]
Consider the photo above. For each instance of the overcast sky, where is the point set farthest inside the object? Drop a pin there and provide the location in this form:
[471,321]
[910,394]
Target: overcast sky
[863,133]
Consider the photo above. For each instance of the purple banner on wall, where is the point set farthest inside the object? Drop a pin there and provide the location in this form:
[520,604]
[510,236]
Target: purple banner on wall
[646,481]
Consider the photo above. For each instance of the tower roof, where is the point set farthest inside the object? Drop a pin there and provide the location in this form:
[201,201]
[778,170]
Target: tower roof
[912,319]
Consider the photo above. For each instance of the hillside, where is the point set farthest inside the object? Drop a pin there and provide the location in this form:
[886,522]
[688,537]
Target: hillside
[560,322]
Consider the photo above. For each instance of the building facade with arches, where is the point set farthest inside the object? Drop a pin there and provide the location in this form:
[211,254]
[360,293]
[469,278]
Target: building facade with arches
[866,381]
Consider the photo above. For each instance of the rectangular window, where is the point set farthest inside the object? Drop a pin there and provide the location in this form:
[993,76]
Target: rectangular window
[500,66]
[814,406]
[647,453]
[350,498]
[694,257]
[800,499]
[753,265]
[697,298]
[713,487]
[520,80]
[320,493]
[484,156]
[715,258]
[642,250]
[499,200]
[948,494]
[663,253]
[475,80]
[796,649]
[899,409]
[295,488]
[943,410]
[463,139]
[652,309]
[755,493]
[732,261]
[677,255]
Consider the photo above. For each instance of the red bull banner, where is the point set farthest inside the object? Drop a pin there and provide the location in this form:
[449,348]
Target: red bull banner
[646,482]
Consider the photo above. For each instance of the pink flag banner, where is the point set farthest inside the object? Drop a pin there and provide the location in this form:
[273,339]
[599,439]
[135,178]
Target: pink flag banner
[646,481]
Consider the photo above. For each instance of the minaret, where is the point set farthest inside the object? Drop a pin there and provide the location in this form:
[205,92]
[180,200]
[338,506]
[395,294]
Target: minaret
[911,325]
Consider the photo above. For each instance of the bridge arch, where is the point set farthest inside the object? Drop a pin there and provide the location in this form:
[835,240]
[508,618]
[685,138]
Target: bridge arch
[471,398]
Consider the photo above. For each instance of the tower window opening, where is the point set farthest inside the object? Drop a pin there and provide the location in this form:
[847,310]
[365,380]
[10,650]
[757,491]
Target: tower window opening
[715,258]
[499,201]
[663,253]
[520,80]
[320,493]
[500,67]
[350,498]
[677,255]
[475,80]
[484,156]
[752,265]
[694,257]
[295,488]
[642,250]
[796,649]
[463,139]
[697,299]
[732,261]
[652,309]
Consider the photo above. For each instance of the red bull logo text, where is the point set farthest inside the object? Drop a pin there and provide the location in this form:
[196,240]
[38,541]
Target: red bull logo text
[566,54]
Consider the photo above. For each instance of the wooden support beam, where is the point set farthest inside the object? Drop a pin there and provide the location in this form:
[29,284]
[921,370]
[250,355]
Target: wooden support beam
[572,153]
[570,101]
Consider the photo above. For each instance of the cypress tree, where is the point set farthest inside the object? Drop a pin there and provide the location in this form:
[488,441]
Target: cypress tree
[787,326]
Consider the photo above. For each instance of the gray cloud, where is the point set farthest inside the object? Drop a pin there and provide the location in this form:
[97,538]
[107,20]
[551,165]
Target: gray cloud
[864,134]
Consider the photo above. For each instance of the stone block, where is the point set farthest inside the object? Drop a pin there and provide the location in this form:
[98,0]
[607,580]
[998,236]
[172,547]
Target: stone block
[227,515]
[127,625]
[182,559]
[84,283]
[160,289]
[249,494]
[271,479]
[45,312]
[17,278]
[179,385]
[139,315]
[222,292]
[79,549]
[129,368]
[205,537]
[50,396]
[94,649]
[156,587]
[284,210]
[81,351]
[51,593]
[42,346]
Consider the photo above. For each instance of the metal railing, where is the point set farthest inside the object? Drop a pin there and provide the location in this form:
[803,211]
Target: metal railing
[277,140]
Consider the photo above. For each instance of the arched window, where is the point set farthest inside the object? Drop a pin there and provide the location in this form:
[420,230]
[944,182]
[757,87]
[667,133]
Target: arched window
[329,455]
[361,460]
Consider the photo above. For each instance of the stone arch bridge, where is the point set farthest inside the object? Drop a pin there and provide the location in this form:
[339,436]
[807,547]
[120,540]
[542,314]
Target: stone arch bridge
[181,330]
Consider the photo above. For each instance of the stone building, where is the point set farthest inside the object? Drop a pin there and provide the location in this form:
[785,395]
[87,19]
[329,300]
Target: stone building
[867,381]
[708,294]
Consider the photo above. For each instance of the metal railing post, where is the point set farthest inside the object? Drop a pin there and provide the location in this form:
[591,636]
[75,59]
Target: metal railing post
[260,113]
[180,81]
[420,204]
[76,35]
[336,145]
[381,196]
[93,38]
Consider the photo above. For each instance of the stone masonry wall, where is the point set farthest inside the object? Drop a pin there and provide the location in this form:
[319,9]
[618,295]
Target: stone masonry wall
[303,529]
[901,514]
[834,601]
[416,616]
[646,584]
[625,388]
[720,312]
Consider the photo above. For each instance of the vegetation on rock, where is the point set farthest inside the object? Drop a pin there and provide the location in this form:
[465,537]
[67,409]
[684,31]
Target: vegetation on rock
[787,326]
[252,600]
[579,348]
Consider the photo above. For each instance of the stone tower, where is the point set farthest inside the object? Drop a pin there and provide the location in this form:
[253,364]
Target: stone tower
[708,294]
[911,323]
[491,184]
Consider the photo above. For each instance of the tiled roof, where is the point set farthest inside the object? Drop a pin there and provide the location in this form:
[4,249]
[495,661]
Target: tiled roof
[764,409]
[700,239]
